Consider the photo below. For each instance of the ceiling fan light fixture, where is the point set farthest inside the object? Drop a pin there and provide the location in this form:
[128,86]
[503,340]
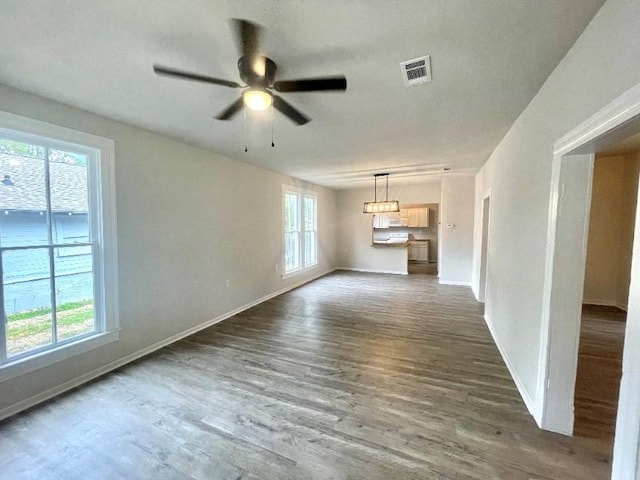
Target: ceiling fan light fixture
[257,99]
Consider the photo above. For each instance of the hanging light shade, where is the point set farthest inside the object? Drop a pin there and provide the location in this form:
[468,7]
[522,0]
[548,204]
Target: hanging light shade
[381,206]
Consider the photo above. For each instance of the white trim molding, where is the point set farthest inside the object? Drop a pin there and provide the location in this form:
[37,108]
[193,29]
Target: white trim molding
[609,120]
[372,270]
[100,154]
[569,204]
[454,282]
[524,393]
[600,302]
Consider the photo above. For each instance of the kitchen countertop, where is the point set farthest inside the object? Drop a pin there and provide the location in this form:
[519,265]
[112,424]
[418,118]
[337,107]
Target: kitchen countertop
[390,245]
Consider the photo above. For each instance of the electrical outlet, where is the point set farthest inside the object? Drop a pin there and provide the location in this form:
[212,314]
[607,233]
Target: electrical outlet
[277,267]
[227,283]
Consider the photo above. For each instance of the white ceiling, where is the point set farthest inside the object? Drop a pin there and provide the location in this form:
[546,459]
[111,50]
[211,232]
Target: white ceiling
[489,58]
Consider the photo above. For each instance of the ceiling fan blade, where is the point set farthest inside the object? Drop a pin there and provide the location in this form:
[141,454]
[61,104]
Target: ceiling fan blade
[173,72]
[247,37]
[311,84]
[286,108]
[231,110]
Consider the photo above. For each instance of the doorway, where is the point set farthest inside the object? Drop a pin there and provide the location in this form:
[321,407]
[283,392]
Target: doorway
[422,255]
[484,247]
[606,290]
[571,183]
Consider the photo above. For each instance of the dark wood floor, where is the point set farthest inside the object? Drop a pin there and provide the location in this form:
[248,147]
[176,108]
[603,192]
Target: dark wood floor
[354,376]
[599,372]
[422,268]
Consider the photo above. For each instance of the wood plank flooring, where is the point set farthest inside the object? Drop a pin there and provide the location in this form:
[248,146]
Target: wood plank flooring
[422,268]
[354,376]
[599,372]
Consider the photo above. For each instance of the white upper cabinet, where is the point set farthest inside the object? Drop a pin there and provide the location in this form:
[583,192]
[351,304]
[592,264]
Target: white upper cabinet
[381,220]
[417,217]
[406,217]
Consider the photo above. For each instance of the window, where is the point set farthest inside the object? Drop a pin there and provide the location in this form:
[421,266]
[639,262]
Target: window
[300,230]
[310,233]
[57,244]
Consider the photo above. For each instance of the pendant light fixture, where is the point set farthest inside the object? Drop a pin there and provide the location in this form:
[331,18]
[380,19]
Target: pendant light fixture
[381,206]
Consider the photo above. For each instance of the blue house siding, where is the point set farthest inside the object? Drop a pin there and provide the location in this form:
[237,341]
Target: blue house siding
[26,272]
[35,293]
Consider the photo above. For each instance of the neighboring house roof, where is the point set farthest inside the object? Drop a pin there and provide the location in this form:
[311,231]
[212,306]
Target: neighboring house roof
[23,187]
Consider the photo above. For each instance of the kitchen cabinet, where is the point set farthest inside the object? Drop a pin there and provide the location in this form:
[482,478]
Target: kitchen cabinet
[381,220]
[416,216]
[422,215]
[406,217]
[413,217]
[423,251]
[419,251]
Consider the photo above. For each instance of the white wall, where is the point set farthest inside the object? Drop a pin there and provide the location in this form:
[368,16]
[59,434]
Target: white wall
[626,451]
[519,172]
[629,207]
[610,238]
[188,219]
[354,229]
[457,228]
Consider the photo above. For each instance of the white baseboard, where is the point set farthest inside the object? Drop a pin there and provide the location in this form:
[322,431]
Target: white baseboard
[514,375]
[454,282]
[604,303]
[622,306]
[371,270]
[75,382]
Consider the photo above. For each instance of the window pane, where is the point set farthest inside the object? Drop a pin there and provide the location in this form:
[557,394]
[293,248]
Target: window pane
[69,197]
[11,147]
[23,198]
[27,299]
[310,248]
[310,234]
[291,251]
[291,212]
[309,213]
[74,292]
[71,227]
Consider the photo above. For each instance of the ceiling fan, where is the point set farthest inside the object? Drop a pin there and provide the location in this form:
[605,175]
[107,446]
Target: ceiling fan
[258,73]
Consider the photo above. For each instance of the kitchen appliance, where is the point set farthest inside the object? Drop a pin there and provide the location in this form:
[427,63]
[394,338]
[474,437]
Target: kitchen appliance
[398,221]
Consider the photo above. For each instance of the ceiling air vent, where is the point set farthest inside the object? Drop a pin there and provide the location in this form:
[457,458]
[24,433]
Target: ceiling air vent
[416,71]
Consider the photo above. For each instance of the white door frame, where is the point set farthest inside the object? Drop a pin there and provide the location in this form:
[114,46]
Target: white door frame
[569,205]
[485,222]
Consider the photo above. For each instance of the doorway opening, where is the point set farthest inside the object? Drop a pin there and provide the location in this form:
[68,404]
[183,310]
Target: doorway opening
[565,265]
[606,290]
[484,247]
[422,255]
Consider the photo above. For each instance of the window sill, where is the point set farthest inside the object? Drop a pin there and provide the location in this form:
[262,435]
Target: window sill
[49,357]
[299,271]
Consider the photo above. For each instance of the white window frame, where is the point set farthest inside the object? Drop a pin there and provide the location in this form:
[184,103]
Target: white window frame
[101,182]
[300,195]
[314,229]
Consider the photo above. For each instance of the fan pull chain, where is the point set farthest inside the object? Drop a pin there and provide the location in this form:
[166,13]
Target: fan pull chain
[244,126]
[272,144]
